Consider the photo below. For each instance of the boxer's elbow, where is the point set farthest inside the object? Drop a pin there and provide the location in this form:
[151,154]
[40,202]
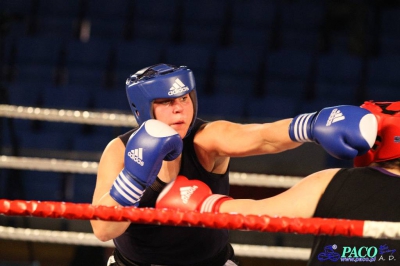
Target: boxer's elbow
[105,231]
[102,236]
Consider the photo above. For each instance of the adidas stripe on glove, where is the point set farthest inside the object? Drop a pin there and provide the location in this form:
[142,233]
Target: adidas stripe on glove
[343,131]
[152,143]
[189,195]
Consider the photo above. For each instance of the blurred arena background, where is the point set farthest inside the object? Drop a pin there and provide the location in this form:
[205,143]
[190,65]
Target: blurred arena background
[254,60]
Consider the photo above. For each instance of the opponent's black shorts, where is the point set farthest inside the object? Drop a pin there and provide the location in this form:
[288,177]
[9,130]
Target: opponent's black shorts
[224,258]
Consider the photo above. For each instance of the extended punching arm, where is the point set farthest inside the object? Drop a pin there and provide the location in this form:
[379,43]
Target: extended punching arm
[343,131]
[152,143]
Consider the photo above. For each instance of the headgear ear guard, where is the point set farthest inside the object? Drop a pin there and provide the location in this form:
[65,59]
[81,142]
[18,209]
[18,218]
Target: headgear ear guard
[387,144]
[161,81]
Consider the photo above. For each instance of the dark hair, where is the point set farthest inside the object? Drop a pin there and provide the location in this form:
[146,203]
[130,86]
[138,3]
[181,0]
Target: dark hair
[390,164]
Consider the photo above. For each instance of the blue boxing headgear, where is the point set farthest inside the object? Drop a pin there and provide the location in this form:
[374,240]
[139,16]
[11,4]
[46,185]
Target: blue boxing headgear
[161,81]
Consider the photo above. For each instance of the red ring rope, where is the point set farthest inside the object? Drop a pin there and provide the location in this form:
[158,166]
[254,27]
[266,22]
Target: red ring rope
[315,226]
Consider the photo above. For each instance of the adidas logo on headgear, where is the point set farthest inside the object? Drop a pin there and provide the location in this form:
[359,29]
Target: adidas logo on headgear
[137,156]
[177,87]
[335,116]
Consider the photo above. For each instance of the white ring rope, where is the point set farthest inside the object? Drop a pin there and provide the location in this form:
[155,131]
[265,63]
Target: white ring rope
[88,239]
[86,167]
[68,116]
[51,165]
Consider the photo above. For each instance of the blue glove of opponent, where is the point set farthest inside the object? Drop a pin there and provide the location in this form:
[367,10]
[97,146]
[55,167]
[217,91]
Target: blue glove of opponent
[152,143]
[344,131]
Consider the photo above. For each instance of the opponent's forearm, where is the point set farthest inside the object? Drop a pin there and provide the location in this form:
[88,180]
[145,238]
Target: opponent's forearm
[242,206]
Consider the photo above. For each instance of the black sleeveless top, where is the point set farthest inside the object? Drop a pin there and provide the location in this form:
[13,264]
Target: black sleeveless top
[365,193]
[170,244]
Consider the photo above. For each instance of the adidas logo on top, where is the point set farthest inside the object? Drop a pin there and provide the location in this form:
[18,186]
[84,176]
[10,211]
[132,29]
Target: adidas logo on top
[335,116]
[177,87]
[137,155]
[186,192]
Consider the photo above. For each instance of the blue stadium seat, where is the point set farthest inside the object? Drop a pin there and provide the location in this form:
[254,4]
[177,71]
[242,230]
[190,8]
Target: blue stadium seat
[153,30]
[17,28]
[156,10]
[202,83]
[86,77]
[112,100]
[38,50]
[209,36]
[390,45]
[251,38]
[221,106]
[44,140]
[109,132]
[317,104]
[4,177]
[339,68]
[58,8]
[307,41]
[390,22]
[154,19]
[272,107]
[43,186]
[206,13]
[289,65]
[236,70]
[302,16]
[83,188]
[5,134]
[90,143]
[203,21]
[25,93]
[107,10]
[9,47]
[94,53]
[384,71]
[383,93]
[56,27]
[107,30]
[66,97]
[36,74]
[343,93]
[133,56]
[285,88]
[16,7]
[339,42]
[238,61]
[232,85]
[19,125]
[196,57]
[254,14]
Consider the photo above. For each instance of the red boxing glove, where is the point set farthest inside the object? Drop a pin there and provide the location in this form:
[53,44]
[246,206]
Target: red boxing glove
[189,195]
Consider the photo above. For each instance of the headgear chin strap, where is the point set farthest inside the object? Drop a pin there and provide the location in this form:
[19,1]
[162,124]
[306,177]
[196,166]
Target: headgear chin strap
[161,81]
[387,144]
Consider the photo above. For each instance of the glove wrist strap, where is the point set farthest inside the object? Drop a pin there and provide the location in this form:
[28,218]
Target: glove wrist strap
[127,189]
[300,128]
[213,202]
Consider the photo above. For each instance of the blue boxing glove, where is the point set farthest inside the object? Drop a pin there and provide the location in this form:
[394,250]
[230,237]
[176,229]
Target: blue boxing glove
[152,143]
[344,131]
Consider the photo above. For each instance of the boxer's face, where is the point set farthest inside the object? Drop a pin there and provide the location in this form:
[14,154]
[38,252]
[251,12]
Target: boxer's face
[175,112]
